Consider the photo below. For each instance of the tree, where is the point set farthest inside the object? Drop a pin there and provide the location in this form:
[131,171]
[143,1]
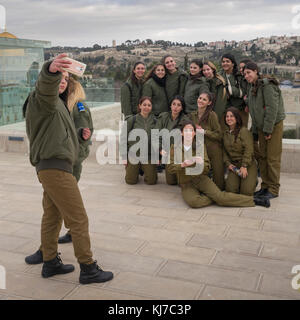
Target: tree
[96,46]
[254,49]
[110,61]
[186,63]
[149,42]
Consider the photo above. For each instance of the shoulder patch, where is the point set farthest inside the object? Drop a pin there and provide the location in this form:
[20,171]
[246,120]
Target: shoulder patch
[80,107]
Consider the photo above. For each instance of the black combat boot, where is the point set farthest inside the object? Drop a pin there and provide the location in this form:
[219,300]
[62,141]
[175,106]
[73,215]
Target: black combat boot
[262,201]
[66,238]
[92,273]
[270,195]
[35,258]
[260,192]
[55,266]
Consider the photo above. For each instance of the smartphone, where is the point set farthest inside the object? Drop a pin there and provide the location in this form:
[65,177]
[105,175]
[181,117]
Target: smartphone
[76,67]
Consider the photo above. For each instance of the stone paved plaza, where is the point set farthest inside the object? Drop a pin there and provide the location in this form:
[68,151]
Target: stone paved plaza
[156,246]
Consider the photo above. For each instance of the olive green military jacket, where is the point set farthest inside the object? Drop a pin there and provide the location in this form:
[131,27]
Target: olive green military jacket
[177,153]
[136,122]
[175,84]
[235,90]
[49,126]
[131,93]
[266,107]
[213,132]
[239,151]
[191,93]
[216,87]
[165,121]
[158,95]
[83,119]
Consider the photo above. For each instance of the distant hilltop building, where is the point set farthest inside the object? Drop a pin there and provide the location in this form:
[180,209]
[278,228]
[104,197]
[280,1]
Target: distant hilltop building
[20,63]
[114,43]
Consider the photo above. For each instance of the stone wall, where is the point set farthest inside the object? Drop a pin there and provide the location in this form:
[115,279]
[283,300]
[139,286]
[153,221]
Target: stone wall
[13,137]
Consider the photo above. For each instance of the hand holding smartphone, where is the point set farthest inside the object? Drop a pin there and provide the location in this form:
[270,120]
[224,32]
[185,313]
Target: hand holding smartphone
[77,68]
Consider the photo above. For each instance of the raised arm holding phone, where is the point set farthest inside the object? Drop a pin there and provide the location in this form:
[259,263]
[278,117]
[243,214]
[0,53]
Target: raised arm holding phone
[54,150]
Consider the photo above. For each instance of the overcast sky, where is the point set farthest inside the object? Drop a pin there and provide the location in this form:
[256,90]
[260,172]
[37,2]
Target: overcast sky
[86,22]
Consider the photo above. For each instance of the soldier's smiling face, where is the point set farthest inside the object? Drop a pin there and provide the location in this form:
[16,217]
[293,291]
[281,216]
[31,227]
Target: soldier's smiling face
[250,75]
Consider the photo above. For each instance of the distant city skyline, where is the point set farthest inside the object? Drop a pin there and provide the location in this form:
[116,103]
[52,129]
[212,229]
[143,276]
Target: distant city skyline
[87,22]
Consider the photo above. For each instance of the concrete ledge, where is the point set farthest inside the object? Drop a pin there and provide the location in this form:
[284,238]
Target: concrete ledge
[13,137]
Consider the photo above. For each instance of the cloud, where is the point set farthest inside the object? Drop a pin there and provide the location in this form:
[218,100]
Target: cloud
[86,22]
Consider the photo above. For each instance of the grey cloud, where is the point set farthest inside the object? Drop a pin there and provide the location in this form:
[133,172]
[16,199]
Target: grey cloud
[85,22]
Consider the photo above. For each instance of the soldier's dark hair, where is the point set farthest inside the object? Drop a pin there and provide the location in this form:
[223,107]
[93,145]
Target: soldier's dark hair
[209,108]
[238,118]
[186,122]
[163,59]
[142,100]
[252,66]
[132,75]
[232,59]
[198,62]
[245,61]
[181,99]
[152,71]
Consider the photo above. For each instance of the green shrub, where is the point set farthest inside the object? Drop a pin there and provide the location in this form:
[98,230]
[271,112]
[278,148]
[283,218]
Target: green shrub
[289,134]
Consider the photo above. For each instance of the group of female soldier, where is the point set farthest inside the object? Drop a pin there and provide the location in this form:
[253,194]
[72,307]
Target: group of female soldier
[218,104]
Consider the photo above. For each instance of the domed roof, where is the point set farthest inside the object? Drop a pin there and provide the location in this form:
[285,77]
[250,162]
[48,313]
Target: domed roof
[7,35]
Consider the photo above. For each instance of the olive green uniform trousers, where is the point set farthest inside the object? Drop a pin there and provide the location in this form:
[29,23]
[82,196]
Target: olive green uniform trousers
[62,201]
[270,158]
[77,169]
[171,178]
[236,184]
[202,191]
[132,173]
[215,155]
[245,117]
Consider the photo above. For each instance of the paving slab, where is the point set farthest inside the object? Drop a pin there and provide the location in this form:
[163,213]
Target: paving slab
[216,293]
[259,264]
[155,287]
[178,252]
[225,244]
[157,247]
[210,275]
